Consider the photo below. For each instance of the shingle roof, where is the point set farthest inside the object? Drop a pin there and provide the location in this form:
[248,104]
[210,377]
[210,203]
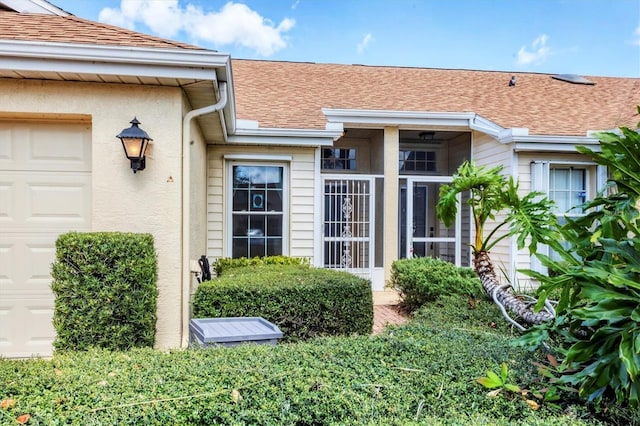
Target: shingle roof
[291,94]
[71,29]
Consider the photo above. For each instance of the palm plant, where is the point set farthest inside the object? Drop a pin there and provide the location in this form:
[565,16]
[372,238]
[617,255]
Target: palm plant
[529,217]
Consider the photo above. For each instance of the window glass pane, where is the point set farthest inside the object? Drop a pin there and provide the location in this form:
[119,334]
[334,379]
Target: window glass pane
[240,225]
[239,247]
[274,200]
[240,200]
[417,161]
[338,158]
[274,226]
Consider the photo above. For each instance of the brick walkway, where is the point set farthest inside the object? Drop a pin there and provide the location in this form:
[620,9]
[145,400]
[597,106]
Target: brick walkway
[384,315]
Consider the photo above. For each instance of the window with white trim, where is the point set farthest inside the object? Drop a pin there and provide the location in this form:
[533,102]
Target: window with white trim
[257,209]
[569,186]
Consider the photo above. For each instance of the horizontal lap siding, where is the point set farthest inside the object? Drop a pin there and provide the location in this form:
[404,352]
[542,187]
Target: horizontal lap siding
[488,152]
[301,197]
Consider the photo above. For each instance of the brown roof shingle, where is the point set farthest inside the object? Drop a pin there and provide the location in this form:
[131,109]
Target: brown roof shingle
[291,94]
[71,29]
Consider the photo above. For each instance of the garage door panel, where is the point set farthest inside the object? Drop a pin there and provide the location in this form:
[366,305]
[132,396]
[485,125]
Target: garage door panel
[7,213]
[31,331]
[26,263]
[45,146]
[45,200]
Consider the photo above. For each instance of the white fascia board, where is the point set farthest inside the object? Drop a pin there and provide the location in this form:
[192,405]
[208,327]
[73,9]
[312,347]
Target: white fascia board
[118,60]
[382,118]
[553,143]
[483,125]
[34,6]
[289,137]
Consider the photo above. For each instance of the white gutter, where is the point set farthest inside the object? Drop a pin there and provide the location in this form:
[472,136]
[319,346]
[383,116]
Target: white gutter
[18,55]
[186,198]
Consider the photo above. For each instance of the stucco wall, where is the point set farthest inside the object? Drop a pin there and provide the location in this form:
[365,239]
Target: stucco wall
[148,201]
[301,196]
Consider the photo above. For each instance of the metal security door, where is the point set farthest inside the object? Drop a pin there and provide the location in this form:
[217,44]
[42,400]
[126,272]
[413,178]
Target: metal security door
[347,225]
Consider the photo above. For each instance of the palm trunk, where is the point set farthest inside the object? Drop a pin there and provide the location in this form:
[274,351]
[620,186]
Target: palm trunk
[484,268]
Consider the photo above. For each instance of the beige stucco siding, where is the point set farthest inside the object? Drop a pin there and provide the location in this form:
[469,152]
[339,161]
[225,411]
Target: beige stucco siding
[148,201]
[488,152]
[301,183]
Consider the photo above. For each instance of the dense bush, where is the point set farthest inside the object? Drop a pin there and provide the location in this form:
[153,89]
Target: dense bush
[225,263]
[424,279]
[423,373]
[106,290]
[303,302]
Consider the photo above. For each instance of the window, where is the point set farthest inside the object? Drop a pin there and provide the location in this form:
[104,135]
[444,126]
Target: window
[338,158]
[568,189]
[569,186]
[417,161]
[257,210]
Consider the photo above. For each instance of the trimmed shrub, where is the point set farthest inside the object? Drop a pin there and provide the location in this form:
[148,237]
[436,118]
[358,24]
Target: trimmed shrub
[424,279]
[303,302]
[105,285]
[225,263]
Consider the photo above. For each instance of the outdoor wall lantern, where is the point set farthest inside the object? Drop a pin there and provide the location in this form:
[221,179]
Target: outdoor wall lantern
[134,141]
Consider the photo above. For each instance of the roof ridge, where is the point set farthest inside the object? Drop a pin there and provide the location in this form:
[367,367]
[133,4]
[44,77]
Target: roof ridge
[444,69]
[133,33]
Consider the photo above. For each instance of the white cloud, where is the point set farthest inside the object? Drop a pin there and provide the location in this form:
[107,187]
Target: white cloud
[235,23]
[538,53]
[364,43]
[295,4]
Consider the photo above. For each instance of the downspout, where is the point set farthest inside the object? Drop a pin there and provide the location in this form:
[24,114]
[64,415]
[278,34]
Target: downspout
[186,198]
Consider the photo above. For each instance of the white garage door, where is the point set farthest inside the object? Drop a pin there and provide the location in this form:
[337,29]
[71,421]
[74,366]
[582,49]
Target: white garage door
[45,190]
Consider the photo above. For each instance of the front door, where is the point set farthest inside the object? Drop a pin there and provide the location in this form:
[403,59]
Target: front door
[421,232]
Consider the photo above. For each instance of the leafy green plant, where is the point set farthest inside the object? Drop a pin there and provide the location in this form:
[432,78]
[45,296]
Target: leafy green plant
[527,217]
[425,279]
[225,263]
[598,278]
[303,302]
[498,382]
[105,285]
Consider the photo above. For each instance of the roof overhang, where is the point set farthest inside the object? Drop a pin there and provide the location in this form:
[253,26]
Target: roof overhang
[378,119]
[190,69]
[248,132]
[518,137]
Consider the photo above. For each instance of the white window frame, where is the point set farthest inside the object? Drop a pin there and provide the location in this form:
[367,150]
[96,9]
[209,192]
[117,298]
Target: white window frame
[265,161]
[540,182]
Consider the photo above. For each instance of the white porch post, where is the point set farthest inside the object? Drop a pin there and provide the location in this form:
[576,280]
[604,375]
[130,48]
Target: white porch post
[391,158]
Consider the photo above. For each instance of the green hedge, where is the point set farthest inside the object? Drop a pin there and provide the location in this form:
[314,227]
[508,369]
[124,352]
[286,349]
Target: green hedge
[106,290]
[303,302]
[226,263]
[422,373]
[424,279]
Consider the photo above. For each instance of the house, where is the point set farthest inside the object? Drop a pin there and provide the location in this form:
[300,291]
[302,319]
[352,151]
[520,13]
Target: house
[340,164]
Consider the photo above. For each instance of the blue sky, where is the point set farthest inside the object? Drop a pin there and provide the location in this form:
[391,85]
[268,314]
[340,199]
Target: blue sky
[587,37]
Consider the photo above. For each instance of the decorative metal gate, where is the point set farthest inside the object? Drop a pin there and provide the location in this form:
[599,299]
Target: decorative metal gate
[348,224]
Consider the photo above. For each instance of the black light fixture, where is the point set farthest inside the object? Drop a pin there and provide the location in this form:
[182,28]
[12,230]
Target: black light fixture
[426,136]
[134,141]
